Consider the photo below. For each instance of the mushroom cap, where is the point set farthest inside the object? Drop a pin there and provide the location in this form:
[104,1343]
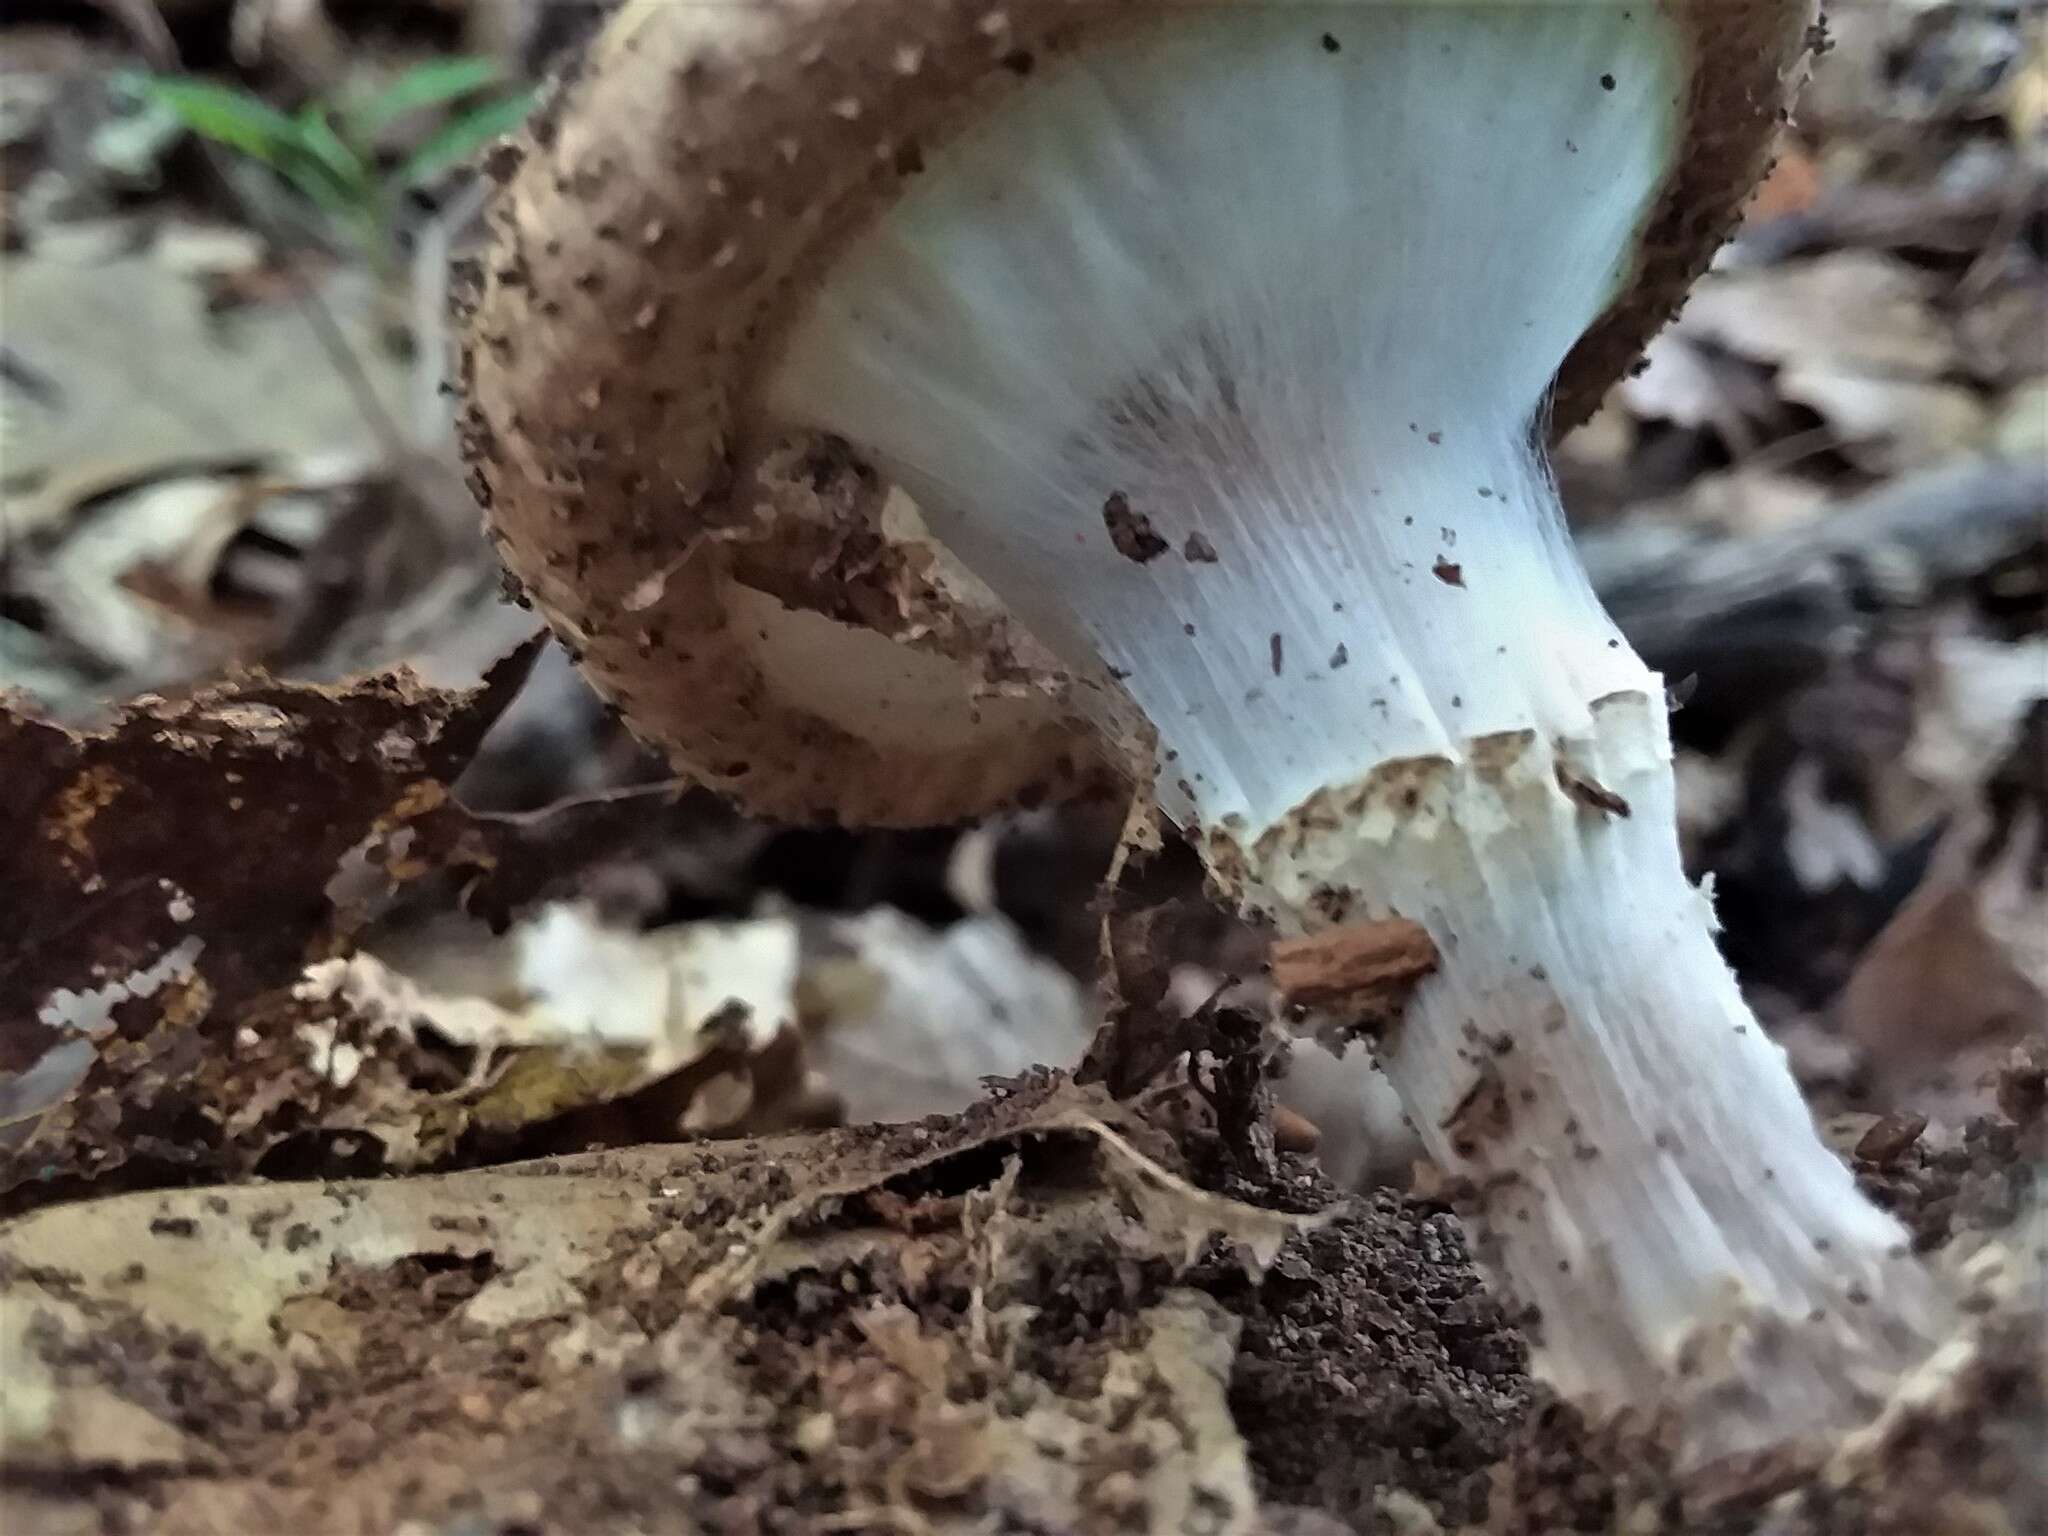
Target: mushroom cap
[661,220]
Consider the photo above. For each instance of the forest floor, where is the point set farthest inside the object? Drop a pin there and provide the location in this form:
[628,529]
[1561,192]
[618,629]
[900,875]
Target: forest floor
[419,1112]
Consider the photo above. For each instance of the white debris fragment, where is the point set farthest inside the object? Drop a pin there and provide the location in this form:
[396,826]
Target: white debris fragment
[91,1012]
[563,978]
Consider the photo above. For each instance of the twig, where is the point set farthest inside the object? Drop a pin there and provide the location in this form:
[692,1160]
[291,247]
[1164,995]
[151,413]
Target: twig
[1679,591]
[620,795]
[430,307]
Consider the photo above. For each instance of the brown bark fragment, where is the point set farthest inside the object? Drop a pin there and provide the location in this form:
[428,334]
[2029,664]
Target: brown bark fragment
[1885,1142]
[1365,970]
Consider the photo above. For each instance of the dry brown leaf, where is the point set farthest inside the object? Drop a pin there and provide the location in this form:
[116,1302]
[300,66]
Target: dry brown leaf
[1960,974]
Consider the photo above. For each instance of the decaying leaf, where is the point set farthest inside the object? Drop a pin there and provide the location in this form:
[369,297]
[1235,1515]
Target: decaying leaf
[167,873]
[622,1319]
[686,1028]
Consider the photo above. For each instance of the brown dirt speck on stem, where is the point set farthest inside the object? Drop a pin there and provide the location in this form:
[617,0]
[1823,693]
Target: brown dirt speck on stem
[1131,532]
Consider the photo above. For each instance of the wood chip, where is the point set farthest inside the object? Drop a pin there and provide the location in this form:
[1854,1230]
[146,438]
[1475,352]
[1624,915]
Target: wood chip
[1887,1140]
[1364,971]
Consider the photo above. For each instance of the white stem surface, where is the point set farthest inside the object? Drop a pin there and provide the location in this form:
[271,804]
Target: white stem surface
[1645,1172]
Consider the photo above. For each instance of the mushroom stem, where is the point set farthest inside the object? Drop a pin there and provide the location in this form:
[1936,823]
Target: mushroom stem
[1644,1173]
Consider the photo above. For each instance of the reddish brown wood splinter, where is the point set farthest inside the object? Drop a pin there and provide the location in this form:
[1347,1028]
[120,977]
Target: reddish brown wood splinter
[1366,969]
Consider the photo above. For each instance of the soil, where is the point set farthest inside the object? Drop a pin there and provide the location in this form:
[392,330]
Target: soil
[1374,1381]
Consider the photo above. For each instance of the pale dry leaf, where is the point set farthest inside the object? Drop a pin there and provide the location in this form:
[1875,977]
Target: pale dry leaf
[1749,499]
[561,1012]
[564,977]
[1887,425]
[1977,690]
[138,376]
[904,1021]
[1603,442]
[1677,383]
[2019,431]
[2026,98]
[1859,310]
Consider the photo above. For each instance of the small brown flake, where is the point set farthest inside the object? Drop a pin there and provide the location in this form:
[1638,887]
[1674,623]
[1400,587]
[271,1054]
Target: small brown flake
[1294,1132]
[1131,532]
[1198,550]
[1278,652]
[1885,1142]
[1449,572]
[1590,792]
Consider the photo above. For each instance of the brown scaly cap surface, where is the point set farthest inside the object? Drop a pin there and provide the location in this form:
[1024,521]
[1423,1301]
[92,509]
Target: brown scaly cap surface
[1751,57]
[657,224]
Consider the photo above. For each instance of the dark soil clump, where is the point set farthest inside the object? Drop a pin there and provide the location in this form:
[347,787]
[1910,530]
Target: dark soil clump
[1371,1358]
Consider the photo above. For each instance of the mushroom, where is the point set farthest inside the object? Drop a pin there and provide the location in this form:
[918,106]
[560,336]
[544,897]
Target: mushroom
[1222,342]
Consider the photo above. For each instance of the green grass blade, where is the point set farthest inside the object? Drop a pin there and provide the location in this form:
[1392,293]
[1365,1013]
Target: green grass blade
[433,84]
[225,115]
[351,173]
[463,137]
